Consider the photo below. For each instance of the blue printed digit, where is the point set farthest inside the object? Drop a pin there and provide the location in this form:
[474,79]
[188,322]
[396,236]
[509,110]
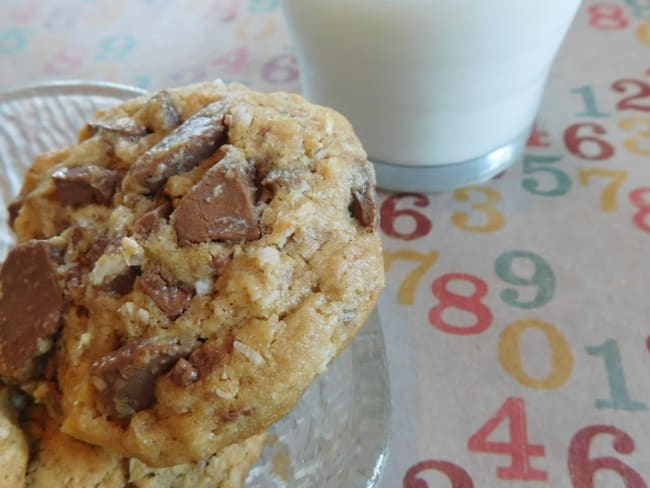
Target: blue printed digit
[589,100]
[508,267]
[13,40]
[115,48]
[619,395]
[542,164]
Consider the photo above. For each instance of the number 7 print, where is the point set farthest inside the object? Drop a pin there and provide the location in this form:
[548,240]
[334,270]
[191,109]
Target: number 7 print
[406,293]
[608,198]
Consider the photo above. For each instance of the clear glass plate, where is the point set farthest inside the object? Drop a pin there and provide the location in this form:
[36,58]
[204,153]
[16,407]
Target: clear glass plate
[337,436]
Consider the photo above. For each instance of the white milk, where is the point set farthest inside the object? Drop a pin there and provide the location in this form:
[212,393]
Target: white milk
[429,82]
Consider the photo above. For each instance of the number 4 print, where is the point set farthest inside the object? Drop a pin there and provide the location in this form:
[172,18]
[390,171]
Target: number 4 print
[520,451]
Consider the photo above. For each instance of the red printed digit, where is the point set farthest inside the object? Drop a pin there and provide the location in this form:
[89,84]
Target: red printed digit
[514,411]
[585,146]
[641,199]
[538,138]
[468,303]
[234,61]
[457,475]
[25,13]
[583,469]
[607,16]
[281,69]
[389,215]
[64,62]
[223,10]
[632,102]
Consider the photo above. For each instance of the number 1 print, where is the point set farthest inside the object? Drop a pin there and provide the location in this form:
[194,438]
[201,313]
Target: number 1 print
[619,395]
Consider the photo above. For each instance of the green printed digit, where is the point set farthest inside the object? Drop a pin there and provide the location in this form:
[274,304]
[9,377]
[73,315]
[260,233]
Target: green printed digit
[13,40]
[619,394]
[542,164]
[589,99]
[508,268]
[263,6]
[115,48]
[639,8]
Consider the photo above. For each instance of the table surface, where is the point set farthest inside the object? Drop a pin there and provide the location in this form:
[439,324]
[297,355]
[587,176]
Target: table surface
[517,312]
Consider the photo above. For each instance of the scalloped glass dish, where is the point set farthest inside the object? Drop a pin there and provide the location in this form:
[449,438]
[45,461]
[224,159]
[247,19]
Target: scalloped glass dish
[337,436]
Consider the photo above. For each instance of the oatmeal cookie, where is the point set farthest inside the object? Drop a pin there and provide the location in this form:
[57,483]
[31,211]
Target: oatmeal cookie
[185,271]
[59,460]
[14,451]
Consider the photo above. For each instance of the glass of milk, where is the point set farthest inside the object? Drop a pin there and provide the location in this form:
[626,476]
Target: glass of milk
[442,93]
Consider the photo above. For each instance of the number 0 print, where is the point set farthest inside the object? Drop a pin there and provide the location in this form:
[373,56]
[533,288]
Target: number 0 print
[511,360]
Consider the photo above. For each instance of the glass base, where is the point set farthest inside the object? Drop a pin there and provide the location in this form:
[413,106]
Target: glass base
[445,177]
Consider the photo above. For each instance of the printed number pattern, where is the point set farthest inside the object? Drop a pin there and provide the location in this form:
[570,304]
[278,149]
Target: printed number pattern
[515,341]
[235,40]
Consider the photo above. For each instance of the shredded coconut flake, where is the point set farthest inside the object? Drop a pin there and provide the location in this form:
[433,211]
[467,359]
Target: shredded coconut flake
[142,315]
[127,309]
[251,354]
[203,287]
[223,394]
[106,265]
[132,252]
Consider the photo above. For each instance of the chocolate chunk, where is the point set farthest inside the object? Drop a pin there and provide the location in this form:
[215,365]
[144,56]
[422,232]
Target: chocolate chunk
[209,356]
[220,207]
[183,374]
[124,127]
[123,283]
[94,252]
[14,210]
[30,306]
[171,296]
[81,185]
[127,377]
[149,221]
[183,149]
[363,206]
[219,262]
[159,113]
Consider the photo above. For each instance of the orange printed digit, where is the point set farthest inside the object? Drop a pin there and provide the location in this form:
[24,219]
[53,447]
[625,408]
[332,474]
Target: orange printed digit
[406,293]
[608,199]
[493,220]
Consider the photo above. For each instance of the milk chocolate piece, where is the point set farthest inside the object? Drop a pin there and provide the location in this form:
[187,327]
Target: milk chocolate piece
[363,206]
[149,221]
[126,378]
[159,113]
[171,296]
[183,149]
[123,283]
[124,127]
[13,209]
[81,185]
[218,208]
[30,306]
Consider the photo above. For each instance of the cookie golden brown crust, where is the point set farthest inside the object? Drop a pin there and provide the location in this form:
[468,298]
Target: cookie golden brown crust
[216,248]
[58,460]
[14,451]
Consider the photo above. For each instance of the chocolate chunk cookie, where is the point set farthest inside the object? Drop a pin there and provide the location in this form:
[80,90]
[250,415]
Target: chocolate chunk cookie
[14,449]
[58,460]
[186,270]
